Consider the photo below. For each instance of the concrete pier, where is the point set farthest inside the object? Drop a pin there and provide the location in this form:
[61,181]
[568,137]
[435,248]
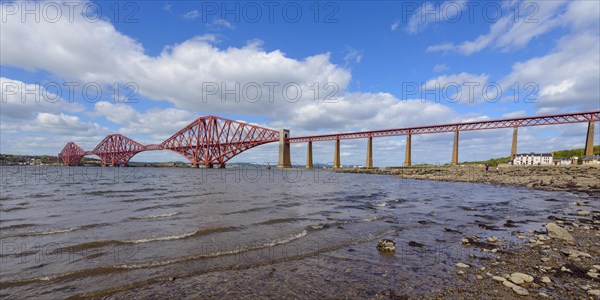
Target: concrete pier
[589,140]
[513,149]
[284,150]
[455,149]
[407,154]
[336,155]
[309,160]
[369,163]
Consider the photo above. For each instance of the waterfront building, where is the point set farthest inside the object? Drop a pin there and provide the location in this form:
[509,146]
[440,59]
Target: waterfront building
[533,159]
[591,159]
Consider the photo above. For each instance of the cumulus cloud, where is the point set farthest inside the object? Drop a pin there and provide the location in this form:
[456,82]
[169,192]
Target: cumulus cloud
[464,87]
[157,122]
[23,101]
[62,124]
[194,75]
[566,77]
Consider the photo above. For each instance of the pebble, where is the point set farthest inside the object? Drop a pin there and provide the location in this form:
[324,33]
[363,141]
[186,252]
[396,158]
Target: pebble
[574,253]
[465,241]
[564,269]
[583,212]
[545,259]
[461,272]
[579,203]
[516,280]
[479,277]
[523,276]
[494,250]
[521,237]
[592,274]
[492,239]
[546,279]
[543,295]
[461,265]
[508,284]
[594,292]
[520,291]
[499,278]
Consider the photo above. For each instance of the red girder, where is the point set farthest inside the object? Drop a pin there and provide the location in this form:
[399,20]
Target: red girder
[480,125]
[71,154]
[117,149]
[213,140]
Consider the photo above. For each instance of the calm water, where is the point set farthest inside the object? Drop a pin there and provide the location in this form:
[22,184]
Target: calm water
[81,231]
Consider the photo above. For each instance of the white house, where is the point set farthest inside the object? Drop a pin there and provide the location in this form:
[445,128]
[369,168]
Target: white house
[561,161]
[591,159]
[533,159]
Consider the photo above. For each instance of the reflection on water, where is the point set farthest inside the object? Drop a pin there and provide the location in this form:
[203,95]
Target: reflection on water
[68,231]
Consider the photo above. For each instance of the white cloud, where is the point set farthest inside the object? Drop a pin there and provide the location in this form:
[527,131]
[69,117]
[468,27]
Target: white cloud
[223,23]
[514,114]
[191,15]
[167,7]
[440,68]
[465,88]
[395,25]
[525,21]
[566,77]
[428,13]
[119,113]
[353,56]
[182,74]
[62,124]
[20,100]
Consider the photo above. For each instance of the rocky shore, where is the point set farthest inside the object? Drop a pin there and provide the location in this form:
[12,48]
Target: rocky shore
[559,261]
[575,179]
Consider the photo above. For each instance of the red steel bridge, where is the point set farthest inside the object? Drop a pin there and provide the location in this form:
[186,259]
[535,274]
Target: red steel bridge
[213,140]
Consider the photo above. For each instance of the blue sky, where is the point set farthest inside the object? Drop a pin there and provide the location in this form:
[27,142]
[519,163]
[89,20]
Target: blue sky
[394,64]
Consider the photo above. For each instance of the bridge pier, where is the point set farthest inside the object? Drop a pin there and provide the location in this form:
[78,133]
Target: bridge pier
[222,166]
[407,154]
[309,160]
[284,150]
[513,149]
[336,155]
[455,149]
[209,166]
[195,165]
[369,162]
[589,140]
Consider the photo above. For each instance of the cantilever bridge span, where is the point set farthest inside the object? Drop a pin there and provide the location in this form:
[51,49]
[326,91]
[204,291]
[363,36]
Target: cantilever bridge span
[212,140]
[206,141]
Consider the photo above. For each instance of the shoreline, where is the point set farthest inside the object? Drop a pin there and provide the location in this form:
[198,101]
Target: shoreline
[574,179]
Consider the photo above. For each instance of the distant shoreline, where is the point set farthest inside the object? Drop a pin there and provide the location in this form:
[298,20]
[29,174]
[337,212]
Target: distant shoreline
[576,179]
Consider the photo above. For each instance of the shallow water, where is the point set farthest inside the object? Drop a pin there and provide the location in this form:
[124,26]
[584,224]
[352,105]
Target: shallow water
[68,231]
